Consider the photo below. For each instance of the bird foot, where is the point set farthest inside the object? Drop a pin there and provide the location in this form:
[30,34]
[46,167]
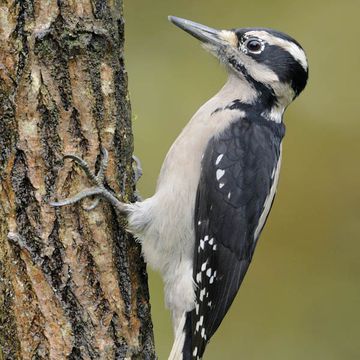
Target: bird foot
[137,175]
[138,171]
[98,190]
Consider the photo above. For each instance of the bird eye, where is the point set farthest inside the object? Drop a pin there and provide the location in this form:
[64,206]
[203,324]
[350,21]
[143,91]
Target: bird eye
[254,46]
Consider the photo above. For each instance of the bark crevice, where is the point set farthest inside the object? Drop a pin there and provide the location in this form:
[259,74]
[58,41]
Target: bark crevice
[73,284]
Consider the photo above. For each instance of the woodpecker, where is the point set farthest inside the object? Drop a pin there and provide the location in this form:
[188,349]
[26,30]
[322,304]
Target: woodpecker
[218,181]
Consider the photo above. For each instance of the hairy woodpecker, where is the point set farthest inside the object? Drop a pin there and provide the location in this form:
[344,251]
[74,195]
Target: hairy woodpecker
[218,181]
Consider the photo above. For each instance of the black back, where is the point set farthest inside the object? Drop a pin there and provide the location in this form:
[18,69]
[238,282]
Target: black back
[227,212]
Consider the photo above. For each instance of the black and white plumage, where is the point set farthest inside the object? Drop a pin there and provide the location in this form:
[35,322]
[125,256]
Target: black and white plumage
[218,181]
[239,169]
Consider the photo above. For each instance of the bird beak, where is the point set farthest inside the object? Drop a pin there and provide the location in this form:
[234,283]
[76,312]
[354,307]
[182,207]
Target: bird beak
[204,33]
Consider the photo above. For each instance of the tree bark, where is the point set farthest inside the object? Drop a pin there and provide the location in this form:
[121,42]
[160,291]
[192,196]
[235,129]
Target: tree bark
[73,284]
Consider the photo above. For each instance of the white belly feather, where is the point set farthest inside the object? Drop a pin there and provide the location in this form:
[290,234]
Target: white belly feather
[164,223]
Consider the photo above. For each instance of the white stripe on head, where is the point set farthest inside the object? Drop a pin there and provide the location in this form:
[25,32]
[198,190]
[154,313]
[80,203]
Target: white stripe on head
[259,72]
[296,52]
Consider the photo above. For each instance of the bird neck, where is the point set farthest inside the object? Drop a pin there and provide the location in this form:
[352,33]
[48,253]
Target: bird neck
[250,95]
[238,88]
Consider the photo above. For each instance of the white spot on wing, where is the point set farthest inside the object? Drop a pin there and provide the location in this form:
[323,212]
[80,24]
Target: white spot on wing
[198,277]
[221,185]
[197,326]
[203,266]
[202,293]
[219,174]
[195,351]
[218,159]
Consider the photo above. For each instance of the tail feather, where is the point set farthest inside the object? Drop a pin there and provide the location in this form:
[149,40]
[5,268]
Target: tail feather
[181,350]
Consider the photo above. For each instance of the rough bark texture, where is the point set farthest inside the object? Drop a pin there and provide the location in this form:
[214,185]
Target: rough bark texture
[73,285]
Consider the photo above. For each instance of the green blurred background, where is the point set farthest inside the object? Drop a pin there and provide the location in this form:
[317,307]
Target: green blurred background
[301,296]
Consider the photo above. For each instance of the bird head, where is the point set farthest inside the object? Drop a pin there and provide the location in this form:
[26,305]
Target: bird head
[273,63]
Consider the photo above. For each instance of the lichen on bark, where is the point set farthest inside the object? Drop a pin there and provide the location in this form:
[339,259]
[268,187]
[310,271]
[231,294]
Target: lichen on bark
[73,284]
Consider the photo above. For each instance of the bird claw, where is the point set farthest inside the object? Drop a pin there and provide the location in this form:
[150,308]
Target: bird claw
[79,196]
[137,168]
[98,190]
[94,204]
[99,177]
[137,175]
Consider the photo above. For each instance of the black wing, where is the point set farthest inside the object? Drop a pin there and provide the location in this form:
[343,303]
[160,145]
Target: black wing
[236,178]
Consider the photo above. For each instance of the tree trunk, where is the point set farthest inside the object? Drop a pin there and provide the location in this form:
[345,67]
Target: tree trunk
[73,284]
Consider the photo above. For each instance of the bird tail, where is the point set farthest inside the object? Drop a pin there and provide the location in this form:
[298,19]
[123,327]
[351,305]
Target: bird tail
[181,349]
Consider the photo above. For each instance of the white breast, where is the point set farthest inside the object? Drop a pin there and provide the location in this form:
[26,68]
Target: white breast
[164,222]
